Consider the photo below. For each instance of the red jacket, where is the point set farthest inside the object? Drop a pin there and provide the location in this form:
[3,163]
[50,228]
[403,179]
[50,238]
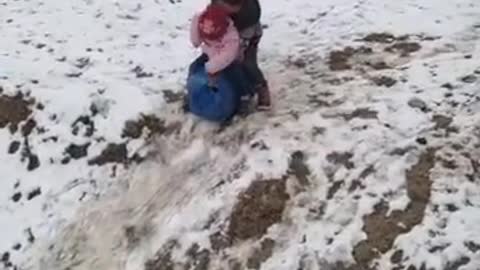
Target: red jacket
[221,53]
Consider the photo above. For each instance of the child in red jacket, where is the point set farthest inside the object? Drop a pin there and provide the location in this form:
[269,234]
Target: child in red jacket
[246,18]
[215,33]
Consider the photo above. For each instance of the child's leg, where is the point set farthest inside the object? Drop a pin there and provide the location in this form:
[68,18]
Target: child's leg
[250,39]
[236,73]
[253,70]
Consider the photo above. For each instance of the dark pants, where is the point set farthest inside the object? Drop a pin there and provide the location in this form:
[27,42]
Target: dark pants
[250,63]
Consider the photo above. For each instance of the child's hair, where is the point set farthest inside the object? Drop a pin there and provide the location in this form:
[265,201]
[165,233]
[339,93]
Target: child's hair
[213,22]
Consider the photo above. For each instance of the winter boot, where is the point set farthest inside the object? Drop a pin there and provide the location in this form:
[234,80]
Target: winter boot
[263,95]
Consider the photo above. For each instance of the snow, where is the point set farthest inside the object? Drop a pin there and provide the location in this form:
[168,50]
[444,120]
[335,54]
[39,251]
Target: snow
[192,178]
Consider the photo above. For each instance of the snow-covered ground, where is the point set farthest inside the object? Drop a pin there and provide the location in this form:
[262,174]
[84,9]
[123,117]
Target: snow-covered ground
[369,160]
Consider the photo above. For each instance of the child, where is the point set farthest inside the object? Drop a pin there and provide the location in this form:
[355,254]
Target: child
[215,32]
[246,17]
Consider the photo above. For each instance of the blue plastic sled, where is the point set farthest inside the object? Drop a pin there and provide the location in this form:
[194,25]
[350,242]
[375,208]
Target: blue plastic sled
[218,103]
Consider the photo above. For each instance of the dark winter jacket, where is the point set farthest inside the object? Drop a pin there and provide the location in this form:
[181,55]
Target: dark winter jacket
[249,14]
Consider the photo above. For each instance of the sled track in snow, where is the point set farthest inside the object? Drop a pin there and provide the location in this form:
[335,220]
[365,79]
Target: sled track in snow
[179,172]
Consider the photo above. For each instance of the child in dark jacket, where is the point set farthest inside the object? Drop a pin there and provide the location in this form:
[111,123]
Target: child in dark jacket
[246,18]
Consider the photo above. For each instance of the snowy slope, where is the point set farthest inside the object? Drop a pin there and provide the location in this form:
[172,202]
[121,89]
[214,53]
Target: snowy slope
[370,158]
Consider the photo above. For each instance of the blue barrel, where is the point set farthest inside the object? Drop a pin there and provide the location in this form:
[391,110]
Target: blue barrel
[218,103]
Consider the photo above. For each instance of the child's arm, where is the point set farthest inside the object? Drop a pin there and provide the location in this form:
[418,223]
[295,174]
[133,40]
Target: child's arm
[231,46]
[194,35]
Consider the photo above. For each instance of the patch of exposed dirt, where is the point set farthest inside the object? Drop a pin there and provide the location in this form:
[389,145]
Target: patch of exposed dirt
[197,259]
[317,131]
[219,241]
[404,48]
[469,79]
[397,256]
[455,265]
[472,246]
[234,264]
[358,183]
[384,81]
[34,193]
[380,38]
[27,154]
[13,147]
[28,127]
[13,110]
[382,230]
[334,188]
[140,73]
[341,158]
[84,122]
[262,254]
[362,113]
[113,153]
[318,102]
[258,208]
[134,128]
[340,59]
[163,259]
[378,65]
[421,141]
[77,151]
[172,97]
[299,168]
[417,103]
[442,121]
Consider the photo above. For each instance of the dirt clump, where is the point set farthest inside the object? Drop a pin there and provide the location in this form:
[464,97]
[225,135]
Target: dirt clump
[384,81]
[341,158]
[417,103]
[261,254]
[84,122]
[13,147]
[379,65]
[28,127]
[257,209]
[404,48]
[163,259]
[197,259]
[362,113]
[383,229]
[113,153]
[469,79]
[359,182]
[134,128]
[455,265]
[172,97]
[472,246]
[380,38]
[397,256]
[340,59]
[442,121]
[27,154]
[220,240]
[141,73]
[334,188]
[299,168]
[13,110]
[77,151]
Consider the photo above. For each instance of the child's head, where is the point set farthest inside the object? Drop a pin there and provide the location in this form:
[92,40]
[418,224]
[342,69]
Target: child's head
[213,23]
